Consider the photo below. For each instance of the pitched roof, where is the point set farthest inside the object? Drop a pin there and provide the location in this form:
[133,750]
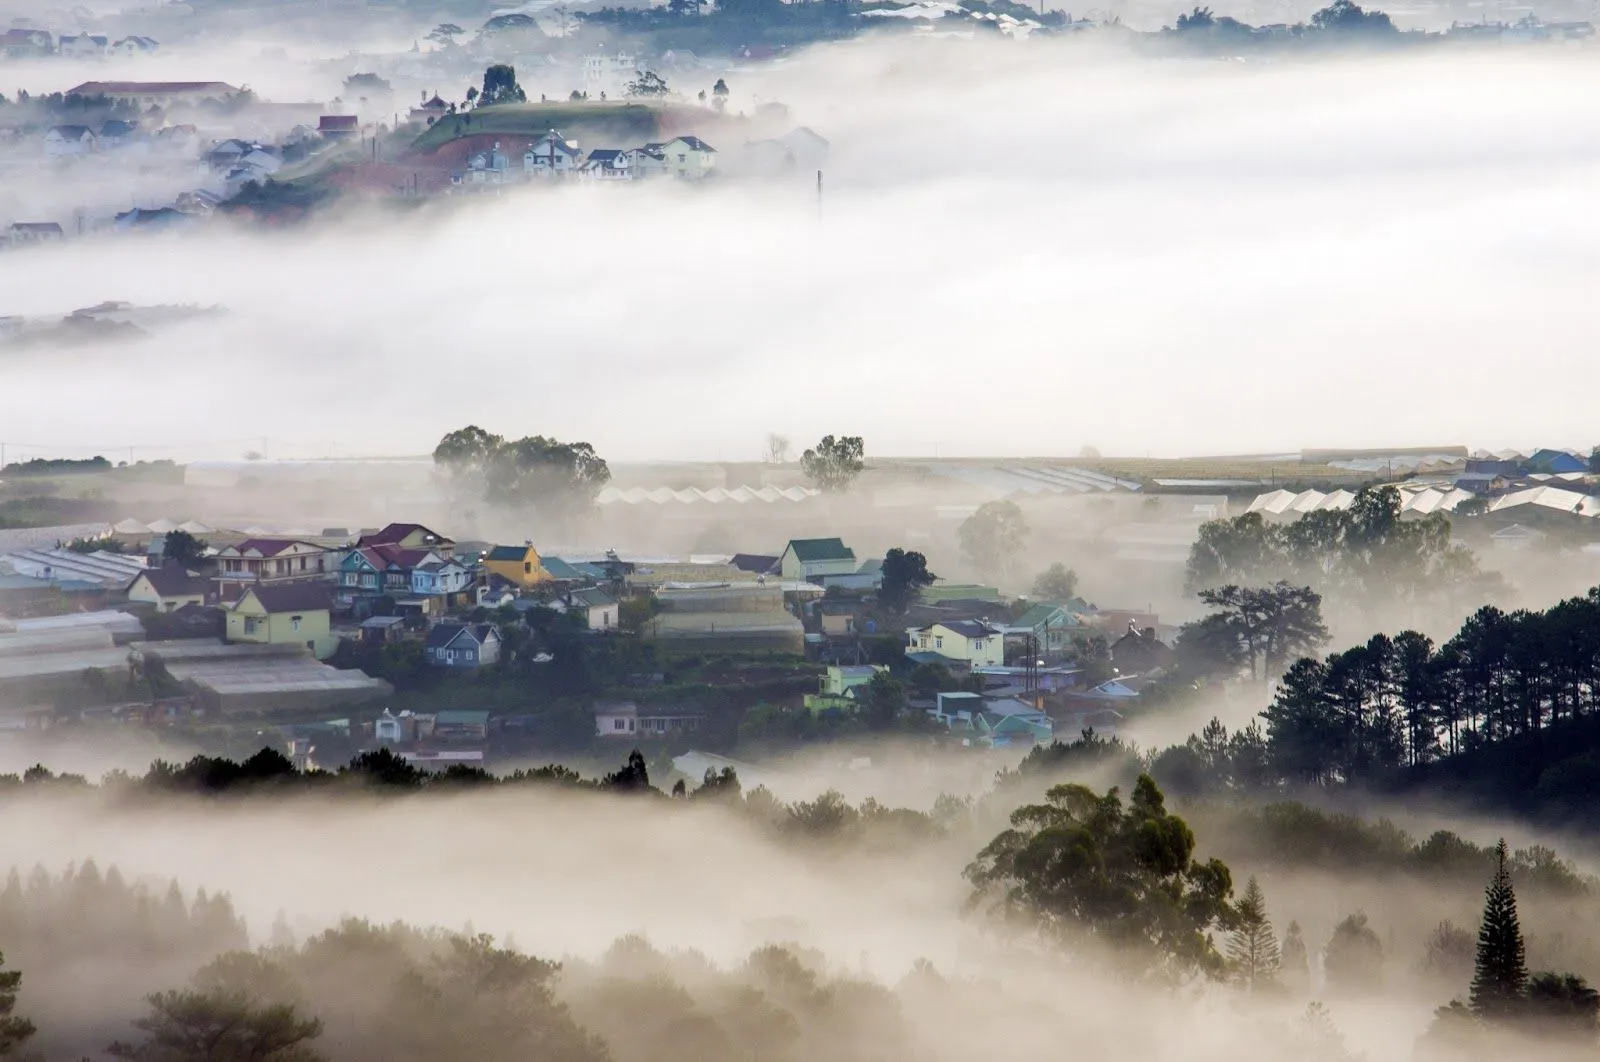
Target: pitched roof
[820,549]
[393,533]
[173,582]
[592,597]
[606,156]
[696,143]
[443,634]
[509,553]
[291,597]
[268,547]
[560,570]
[969,628]
[759,563]
[72,132]
[385,557]
[36,226]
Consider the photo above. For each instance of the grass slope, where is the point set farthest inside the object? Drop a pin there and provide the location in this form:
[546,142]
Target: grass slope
[625,122]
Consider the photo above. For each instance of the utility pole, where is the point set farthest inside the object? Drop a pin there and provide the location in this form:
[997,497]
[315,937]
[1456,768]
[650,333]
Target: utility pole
[819,194]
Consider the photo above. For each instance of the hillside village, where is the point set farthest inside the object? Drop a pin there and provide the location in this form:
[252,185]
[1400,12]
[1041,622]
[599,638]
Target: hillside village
[471,651]
[258,628]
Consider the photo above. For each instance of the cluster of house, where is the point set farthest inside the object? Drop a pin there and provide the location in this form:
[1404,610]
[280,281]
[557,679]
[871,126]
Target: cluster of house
[554,156]
[399,581]
[27,42]
[225,166]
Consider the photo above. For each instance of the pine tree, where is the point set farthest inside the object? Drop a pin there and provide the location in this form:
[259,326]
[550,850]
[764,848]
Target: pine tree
[1294,963]
[1500,974]
[1252,947]
[14,1031]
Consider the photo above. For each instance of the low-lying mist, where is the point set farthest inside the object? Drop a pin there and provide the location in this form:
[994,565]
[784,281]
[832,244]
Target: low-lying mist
[1189,256]
[662,909]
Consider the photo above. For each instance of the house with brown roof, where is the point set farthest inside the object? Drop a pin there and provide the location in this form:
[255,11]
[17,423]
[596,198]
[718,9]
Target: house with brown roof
[268,561]
[410,536]
[168,589]
[289,614]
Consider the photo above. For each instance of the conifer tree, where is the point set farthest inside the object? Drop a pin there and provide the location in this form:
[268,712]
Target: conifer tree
[1500,974]
[1294,962]
[1252,946]
[14,1031]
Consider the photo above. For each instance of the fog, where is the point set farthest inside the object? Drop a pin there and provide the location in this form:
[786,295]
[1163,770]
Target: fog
[565,877]
[1179,256]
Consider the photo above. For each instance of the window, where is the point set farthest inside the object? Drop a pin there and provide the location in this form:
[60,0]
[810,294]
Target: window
[294,623]
[527,567]
[938,643]
[977,643]
[618,724]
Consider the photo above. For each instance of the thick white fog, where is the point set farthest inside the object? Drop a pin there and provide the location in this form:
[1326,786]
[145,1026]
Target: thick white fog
[1073,245]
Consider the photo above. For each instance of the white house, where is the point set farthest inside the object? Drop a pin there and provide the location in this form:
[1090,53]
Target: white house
[812,558]
[608,164]
[689,157]
[68,141]
[440,576]
[134,46]
[608,73]
[647,161]
[973,642]
[599,610]
[551,155]
[83,46]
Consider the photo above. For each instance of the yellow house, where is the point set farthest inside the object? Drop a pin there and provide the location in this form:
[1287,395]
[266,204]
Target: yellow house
[291,614]
[971,642]
[516,564]
[168,588]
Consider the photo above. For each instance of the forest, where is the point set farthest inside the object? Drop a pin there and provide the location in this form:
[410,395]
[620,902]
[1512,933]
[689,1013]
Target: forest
[1106,894]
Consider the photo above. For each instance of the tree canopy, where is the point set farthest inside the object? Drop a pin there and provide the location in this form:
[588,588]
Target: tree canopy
[500,86]
[1084,868]
[834,463]
[1056,583]
[14,1029]
[993,537]
[534,472]
[905,573]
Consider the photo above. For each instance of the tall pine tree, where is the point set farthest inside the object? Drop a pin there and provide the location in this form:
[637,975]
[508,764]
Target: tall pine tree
[1500,974]
[1252,947]
[14,1030]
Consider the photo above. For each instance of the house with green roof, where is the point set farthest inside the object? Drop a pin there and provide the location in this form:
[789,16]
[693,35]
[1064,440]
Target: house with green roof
[1051,623]
[811,559]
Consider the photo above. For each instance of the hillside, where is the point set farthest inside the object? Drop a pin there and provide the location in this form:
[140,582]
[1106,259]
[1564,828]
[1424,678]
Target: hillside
[610,122]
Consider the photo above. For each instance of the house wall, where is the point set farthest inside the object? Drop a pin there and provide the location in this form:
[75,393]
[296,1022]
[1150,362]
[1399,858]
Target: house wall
[684,161]
[988,651]
[248,622]
[794,568]
[606,724]
[605,617]
[143,593]
[526,572]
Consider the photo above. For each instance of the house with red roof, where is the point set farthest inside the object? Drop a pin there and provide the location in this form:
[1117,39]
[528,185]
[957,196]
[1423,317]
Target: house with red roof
[421,581]
[410,536]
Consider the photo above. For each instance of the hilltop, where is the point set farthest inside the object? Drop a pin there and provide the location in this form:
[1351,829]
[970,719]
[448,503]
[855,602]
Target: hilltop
[620,122]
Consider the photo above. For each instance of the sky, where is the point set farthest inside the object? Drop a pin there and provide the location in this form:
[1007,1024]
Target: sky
[1021,250]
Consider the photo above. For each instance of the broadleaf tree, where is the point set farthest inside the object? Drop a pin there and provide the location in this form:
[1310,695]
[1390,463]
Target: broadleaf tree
[834,463]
